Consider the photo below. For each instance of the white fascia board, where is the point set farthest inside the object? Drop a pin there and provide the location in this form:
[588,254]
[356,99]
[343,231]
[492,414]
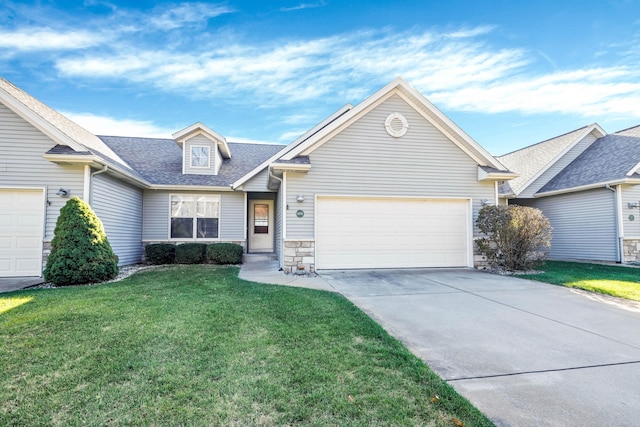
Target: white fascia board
[483,175]
[291,146]
[320,125]
[634,181]
[635,169]
[591,128]
[78,159]
[96,162]
[291,167]
[189,188]
[258,168]
[39,122]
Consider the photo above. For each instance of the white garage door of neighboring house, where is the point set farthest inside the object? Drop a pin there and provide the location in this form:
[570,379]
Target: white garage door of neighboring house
[391,233]
[21,228]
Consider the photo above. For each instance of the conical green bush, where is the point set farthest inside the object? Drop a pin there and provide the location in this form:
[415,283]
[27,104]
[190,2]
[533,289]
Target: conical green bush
[80,251]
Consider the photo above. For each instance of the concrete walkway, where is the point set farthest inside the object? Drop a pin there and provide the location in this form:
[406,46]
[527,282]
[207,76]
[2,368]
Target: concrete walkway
[525,353]
[268,272]
[8,284]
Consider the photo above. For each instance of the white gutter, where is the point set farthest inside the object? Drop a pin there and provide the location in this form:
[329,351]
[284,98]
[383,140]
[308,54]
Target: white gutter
[620,222]
[633,181]
[103,170]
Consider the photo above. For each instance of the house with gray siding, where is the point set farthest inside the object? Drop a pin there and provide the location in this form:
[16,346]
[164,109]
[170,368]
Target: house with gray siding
[587,182]
[388,183]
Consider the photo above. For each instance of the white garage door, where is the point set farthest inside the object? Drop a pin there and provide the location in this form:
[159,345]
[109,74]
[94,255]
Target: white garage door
[21,228]
[391,233]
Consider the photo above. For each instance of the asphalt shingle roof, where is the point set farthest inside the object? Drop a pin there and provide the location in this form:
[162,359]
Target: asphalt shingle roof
[609,158]
[529,161]
[159,161]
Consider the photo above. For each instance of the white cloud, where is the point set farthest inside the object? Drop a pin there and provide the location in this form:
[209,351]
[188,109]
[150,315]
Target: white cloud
[594,93]
[102,125]
[302,6]
[458,69]
[185,14]
[32,39]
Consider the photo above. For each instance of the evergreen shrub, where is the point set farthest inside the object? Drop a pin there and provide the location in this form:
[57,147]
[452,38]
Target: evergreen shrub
[160,253]
[225,253]
[80,252]
[191,253]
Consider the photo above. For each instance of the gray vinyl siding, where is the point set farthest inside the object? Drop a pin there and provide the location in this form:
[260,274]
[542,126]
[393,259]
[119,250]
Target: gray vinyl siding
[22,165]
[363,160]
[258,182]
[119,207]
[631,194]
[155,223]
[557,167]
[204,142]
[584,224]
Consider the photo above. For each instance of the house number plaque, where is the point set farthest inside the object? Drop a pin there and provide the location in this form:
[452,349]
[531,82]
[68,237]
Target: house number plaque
[299,213]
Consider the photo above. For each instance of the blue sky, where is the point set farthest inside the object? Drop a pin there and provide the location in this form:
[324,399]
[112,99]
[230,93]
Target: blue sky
[509,73]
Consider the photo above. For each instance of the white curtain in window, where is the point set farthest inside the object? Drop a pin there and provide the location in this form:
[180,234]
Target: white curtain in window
[207,207]
[191,206]
[183,207]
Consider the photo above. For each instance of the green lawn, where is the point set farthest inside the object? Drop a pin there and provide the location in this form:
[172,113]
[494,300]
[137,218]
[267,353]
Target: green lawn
[195,345]
[623,282]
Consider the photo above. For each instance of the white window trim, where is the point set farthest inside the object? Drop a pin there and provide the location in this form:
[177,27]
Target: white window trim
[195,238]
[208,156]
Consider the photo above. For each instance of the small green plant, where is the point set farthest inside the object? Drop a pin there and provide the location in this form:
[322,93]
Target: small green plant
[80,251]
[191,253]
[225,253]
[160,253]
[515,237]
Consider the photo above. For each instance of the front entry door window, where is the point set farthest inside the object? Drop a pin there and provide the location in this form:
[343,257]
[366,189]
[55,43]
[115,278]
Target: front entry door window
[261,225]
[260,219]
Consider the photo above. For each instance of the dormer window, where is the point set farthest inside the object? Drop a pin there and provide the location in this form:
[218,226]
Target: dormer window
[203,150]
[200,156]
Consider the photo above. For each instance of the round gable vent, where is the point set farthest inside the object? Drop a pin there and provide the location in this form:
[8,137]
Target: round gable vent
[396,125]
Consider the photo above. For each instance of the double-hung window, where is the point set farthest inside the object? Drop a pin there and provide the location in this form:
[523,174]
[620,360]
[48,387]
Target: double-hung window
[194,217]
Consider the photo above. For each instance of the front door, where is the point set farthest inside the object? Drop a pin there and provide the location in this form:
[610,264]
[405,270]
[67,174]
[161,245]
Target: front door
[261,226]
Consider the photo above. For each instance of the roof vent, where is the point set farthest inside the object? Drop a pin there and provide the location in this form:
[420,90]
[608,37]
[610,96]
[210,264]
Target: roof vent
[396,125]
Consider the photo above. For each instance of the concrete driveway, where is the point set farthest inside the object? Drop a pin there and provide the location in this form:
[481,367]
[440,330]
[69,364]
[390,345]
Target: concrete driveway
[525,353]
[8,284]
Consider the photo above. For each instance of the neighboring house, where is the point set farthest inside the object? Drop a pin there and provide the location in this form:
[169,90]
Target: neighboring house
[391,182]
[587,182]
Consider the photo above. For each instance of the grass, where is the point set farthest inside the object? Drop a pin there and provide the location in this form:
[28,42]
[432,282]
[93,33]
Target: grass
[623,282]
[195,345]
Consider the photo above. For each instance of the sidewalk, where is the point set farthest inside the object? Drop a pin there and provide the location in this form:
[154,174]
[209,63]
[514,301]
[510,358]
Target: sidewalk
[268,272]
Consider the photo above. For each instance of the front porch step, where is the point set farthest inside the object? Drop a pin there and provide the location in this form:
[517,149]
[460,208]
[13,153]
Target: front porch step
[247,258]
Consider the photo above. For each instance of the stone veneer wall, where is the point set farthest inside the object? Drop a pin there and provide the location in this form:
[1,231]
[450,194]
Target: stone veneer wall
[299,253]
[631,250]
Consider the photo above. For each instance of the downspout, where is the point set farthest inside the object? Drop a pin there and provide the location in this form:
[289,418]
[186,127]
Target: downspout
[619,230]
[283,214]
[103,170]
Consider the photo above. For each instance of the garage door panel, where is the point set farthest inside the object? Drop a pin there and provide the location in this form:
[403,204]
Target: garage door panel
[391,233]
[21,228]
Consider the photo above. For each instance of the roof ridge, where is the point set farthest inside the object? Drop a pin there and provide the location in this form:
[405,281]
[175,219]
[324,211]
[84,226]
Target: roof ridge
[542,142]
[626,129]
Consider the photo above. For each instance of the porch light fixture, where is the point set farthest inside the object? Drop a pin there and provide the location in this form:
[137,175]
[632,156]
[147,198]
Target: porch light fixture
[300,198]
[62,192]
